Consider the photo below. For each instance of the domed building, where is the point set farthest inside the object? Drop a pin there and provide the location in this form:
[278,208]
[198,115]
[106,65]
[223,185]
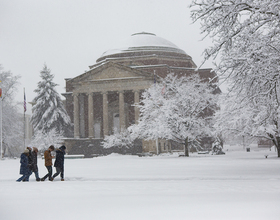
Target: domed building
[101,100]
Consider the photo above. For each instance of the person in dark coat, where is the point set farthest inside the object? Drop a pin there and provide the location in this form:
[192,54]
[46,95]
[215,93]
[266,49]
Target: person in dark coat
[24,169]
[32,160]
[30,163]
[59,162]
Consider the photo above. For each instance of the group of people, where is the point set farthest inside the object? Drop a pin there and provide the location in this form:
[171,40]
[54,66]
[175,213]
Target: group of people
[28,163]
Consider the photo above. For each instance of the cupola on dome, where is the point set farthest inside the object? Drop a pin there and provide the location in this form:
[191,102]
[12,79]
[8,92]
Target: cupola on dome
[144,43]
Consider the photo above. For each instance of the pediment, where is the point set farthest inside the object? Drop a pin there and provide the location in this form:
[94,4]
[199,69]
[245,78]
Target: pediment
[114,72]
[110,71]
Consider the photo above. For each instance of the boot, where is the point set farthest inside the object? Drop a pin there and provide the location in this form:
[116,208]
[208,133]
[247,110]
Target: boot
[62,179]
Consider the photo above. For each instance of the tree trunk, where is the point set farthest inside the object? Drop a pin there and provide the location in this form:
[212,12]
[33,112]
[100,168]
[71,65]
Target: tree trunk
[186,147]
[277,145]
[276,142]
[4,151]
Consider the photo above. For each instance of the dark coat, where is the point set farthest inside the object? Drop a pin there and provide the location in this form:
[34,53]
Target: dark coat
[24,169]
[59,161]
[34,161]
[30,160]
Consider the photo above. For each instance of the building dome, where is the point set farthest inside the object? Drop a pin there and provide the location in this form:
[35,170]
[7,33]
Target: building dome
[143,44]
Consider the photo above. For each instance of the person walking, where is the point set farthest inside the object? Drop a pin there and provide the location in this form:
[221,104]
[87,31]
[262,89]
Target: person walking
[30,162]
[48,163]
[59,162]
[24,169]
[33,165]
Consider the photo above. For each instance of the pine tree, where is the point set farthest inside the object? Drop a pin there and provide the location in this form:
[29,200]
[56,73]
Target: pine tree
[48,110]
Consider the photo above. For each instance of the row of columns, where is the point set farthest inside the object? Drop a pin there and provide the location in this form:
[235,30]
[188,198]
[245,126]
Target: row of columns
[105,113]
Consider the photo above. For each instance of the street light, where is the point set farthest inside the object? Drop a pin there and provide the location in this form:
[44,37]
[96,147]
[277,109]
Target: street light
[1,122]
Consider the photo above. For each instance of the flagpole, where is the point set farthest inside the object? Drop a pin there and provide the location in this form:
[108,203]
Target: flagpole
[1,119]
[24,110]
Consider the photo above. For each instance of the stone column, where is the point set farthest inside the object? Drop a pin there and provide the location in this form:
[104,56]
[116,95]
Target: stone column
[136,109]
[82,116]
[105,114]
[76,116]
[121,110]
[90,116]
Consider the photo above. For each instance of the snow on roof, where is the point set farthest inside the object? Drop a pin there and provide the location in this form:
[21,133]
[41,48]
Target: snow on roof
[145,41]
[148,39]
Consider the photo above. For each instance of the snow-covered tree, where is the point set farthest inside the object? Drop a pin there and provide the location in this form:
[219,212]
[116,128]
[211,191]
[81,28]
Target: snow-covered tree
[241,116]
[48,110]
[178,109]
[246,36]
[43,140]
[12,123]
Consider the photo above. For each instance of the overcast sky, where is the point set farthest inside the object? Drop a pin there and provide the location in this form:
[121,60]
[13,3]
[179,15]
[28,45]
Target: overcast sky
[69,35]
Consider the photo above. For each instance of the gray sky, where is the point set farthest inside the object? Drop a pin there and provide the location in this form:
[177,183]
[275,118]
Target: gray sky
[69,35]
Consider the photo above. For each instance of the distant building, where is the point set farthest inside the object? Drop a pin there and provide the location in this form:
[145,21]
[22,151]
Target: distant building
[101,100]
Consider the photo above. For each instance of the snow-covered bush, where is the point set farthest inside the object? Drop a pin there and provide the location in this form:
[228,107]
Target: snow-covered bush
[118,139]
[43,140]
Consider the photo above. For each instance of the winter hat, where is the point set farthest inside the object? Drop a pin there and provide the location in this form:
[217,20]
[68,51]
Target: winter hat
[26,151]
[62,147]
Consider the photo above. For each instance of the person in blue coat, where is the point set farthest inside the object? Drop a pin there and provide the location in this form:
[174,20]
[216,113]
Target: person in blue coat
[24,169]
[59,162]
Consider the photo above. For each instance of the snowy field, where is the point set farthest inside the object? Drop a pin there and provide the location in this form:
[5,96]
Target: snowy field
[238,185]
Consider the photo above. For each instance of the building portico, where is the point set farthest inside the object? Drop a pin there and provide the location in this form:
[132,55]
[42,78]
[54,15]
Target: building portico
[116,114]
[104,103]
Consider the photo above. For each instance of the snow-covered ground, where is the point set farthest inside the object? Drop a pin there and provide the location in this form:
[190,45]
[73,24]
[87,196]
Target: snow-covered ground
[238,185]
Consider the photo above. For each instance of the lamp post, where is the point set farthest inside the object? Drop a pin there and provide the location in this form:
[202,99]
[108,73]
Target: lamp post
[1,123]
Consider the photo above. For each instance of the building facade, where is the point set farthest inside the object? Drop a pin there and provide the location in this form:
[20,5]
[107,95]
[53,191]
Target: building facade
[102,100]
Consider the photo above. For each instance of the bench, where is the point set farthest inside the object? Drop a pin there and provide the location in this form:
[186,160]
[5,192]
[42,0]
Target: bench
[145,154]
[203,152]
[96,155]
[78,156]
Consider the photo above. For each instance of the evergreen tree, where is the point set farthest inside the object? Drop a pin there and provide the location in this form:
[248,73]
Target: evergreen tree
[48,110]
